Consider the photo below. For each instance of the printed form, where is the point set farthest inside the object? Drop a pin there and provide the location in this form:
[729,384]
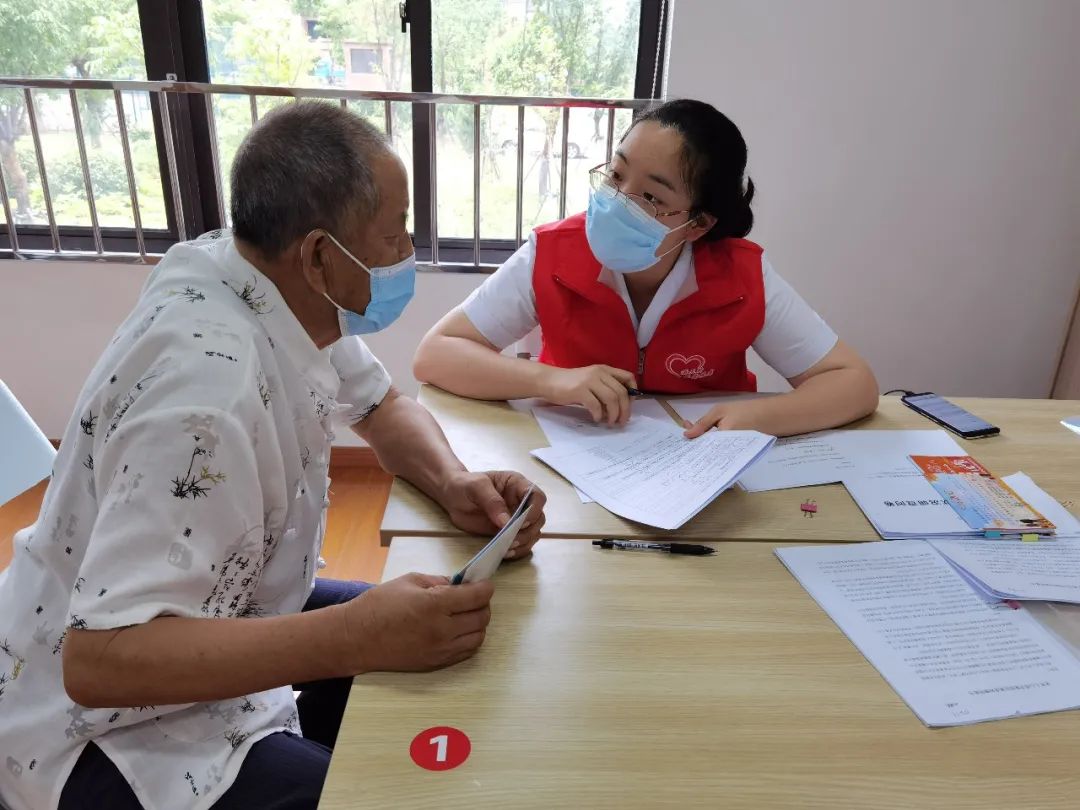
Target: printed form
[953,657]
[661,479]
[565,425]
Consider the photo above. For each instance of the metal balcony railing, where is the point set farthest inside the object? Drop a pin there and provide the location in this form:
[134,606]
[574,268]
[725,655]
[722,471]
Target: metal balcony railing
[167,94]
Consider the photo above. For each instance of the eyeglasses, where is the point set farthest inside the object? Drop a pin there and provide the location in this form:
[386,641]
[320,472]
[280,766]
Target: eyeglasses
[600,179]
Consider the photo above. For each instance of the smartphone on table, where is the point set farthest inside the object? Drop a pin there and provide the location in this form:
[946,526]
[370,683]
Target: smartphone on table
[950,416]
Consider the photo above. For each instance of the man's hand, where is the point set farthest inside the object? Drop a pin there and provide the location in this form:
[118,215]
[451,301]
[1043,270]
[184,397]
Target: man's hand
[602,390]
[415,623]
[726,416]
[481,503]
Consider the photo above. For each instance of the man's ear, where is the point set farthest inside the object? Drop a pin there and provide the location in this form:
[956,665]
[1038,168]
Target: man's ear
[314,258]
[703,223]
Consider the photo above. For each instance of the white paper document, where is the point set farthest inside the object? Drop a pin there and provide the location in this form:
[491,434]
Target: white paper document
[26,456]
[662,480]
[901,506]
[835,456]
[978,587]
[1010,569]
[1048,570]
[570,425]
[951,656]
[888,451]
[801,461]
[892,492]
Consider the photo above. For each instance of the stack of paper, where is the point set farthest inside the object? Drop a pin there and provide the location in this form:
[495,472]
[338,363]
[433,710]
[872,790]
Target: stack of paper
[1047,570]
[572,426]
[892,492]
[835,456]
[876,467]
[952,656]
[795,461]
[657,477]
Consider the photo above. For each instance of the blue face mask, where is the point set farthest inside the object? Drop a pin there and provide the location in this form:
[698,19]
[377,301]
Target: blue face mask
[392,288]
[622,237]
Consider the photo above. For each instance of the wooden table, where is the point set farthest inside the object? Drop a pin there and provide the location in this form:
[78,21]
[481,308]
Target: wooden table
[488,435]
[627,680]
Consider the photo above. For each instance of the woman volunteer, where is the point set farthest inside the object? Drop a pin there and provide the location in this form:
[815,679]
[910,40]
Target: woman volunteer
[653,288]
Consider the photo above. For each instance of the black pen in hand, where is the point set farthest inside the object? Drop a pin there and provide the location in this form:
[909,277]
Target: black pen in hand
[670,548]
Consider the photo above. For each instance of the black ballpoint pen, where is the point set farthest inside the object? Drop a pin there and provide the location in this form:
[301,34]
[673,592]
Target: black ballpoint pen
[670,548]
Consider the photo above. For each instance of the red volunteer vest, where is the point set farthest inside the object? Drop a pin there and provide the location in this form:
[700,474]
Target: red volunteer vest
[701,341]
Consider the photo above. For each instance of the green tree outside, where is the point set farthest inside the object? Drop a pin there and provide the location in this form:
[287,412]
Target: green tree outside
[500,47]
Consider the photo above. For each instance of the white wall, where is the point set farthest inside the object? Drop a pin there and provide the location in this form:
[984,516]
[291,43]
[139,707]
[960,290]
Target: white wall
[918,166]
[918,171]
[57,317]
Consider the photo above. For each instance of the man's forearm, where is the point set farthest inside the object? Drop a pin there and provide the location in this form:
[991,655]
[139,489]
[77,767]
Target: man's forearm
[409,443]
[174,660]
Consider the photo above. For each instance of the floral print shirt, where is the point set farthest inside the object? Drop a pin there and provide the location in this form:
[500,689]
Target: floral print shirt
[191,481]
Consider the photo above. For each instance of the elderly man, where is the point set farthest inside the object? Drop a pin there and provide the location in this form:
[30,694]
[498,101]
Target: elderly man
[157,616]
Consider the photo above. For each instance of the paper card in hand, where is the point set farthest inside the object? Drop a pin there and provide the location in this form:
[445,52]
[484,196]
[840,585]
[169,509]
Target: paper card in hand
[483,565]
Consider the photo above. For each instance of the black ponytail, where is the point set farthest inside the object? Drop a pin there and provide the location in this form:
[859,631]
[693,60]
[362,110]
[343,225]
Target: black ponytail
[713,164]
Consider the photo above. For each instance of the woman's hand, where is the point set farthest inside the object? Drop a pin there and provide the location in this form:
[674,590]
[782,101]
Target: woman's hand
[602,390]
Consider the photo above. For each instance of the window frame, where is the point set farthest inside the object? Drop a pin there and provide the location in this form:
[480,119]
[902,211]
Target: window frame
[174,47]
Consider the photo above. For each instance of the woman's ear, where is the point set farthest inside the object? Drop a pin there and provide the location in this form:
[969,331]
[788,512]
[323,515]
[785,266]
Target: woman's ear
[703,223]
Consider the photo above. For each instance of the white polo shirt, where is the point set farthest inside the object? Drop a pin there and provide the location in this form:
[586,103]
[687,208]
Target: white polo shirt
[191,481]
[793,339]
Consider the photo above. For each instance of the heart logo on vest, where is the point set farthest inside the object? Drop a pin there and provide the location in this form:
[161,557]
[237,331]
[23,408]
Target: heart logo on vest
[689,368]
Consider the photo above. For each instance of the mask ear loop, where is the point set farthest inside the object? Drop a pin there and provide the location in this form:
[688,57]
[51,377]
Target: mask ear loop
[325,295]
[683,242]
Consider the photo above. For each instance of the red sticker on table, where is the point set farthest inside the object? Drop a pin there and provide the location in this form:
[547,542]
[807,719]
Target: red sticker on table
[440,748]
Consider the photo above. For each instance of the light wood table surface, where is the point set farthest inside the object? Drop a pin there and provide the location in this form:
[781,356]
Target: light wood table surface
[488,435]
[637,680]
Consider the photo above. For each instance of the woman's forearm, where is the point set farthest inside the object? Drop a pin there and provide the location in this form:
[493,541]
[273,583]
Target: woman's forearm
[827,400]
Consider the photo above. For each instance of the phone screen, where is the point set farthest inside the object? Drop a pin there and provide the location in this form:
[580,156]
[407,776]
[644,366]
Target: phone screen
[946,411]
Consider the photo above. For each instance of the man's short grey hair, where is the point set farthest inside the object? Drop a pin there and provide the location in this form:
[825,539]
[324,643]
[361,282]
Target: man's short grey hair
[305,165]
